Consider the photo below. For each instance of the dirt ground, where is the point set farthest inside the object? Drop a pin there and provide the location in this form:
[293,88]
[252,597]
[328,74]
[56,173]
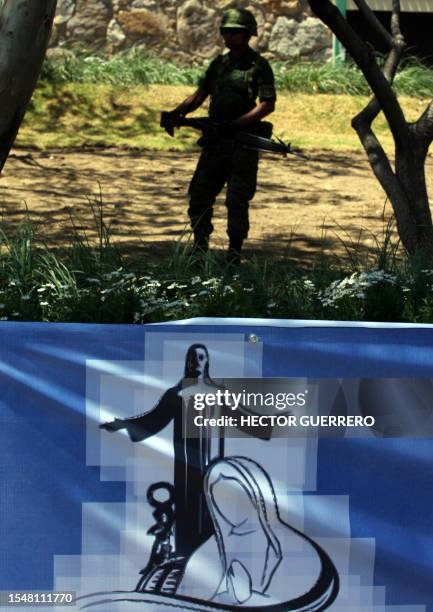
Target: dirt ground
[301,207]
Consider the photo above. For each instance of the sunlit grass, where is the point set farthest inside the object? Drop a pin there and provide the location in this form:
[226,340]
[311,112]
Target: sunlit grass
[138,68]
[78,114]
[116,101]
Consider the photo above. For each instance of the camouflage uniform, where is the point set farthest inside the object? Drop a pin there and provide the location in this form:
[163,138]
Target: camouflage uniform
[234,86]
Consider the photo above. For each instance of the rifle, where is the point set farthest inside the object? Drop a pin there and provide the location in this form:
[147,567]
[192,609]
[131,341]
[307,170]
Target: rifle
[258,138]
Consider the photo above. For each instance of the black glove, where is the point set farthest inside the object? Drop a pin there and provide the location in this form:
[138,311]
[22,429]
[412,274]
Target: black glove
[170,120]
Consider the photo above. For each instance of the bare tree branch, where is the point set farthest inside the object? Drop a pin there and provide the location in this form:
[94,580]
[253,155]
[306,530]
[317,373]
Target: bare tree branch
[373,21]
[389,70]
[357,48]
[395,21]
[423,128]
[373,108]
[362,124]
[405,184]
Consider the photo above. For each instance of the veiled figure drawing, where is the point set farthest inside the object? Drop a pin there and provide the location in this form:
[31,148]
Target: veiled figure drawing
[254,558]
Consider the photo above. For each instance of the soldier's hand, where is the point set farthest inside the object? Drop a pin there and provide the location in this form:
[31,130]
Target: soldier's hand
[170,120]
[113,425]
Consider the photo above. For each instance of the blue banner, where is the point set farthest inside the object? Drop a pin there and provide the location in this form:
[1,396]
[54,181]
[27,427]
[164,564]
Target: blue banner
[150,467]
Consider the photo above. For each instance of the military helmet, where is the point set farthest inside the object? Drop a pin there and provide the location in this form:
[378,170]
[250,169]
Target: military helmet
[239,19]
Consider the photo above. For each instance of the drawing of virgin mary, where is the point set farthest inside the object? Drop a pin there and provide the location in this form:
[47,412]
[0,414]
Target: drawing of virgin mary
[255,558]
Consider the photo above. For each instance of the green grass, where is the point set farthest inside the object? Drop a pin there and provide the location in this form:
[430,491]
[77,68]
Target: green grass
[85,114]
[414,79]
[93,101]
[94,283]
[137,68]
[116,101]
[133,68]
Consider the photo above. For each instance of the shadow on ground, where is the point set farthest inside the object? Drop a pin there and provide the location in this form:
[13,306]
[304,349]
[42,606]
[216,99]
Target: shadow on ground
[302,208]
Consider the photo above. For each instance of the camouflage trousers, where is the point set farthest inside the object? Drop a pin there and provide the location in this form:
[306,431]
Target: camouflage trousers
[219,165]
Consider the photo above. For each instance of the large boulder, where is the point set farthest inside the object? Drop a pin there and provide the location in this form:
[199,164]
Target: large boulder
[187,30]
[116,37]
[312,36]
[143,25]
[281,41]
[289,8]
[150,5]
[197,29]
[88,26]
[64,11]
[291,39]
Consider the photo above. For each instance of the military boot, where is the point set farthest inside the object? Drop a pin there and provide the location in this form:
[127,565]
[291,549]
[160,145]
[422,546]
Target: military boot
[201,244]
[234,251]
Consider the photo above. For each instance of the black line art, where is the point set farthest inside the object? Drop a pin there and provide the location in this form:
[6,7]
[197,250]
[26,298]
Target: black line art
[162,555]
[231,548]
[192,455]
[244,510]
[254,547]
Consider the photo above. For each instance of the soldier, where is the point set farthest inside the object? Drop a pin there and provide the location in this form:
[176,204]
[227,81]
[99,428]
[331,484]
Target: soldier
[233,81]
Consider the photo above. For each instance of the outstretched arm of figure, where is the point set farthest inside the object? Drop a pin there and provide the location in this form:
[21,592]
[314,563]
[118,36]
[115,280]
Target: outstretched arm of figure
[113,425]
[148,424]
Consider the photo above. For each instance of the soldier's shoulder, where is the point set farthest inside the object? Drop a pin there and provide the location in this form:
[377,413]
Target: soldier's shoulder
[218,60]
[258,60]
[215,66]
[261,61]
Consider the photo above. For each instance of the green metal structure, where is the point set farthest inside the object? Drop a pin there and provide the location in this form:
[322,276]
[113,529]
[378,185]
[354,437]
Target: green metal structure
[338,51]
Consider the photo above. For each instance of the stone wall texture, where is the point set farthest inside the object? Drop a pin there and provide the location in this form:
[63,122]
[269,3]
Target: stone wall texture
[187,30]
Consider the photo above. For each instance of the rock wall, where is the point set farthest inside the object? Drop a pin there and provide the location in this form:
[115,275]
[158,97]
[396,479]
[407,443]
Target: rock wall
[187,30]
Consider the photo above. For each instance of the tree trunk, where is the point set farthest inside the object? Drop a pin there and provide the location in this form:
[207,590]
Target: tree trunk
[417,235]
[25,27]
[405,185]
